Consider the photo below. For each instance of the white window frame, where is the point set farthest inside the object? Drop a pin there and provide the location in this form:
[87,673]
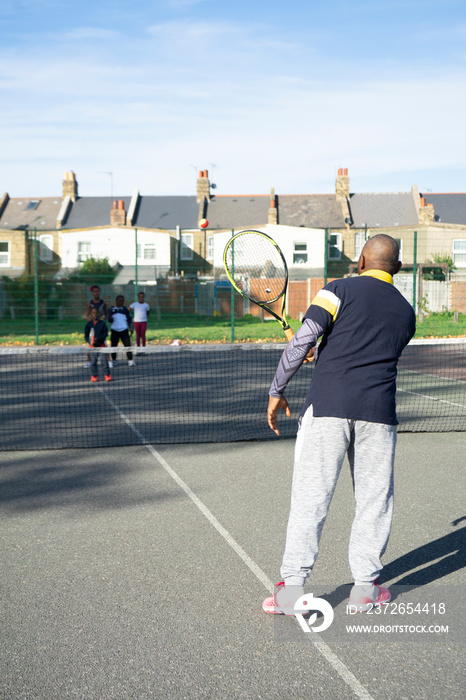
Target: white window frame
[144,251]
[336,247]
[210,248]
[186,246]
[359,243]
[460,252]
[5,256]
[300,253]
[84,255]
[46,247]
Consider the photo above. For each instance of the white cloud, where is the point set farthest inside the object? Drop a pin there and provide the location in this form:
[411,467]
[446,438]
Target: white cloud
[269,108]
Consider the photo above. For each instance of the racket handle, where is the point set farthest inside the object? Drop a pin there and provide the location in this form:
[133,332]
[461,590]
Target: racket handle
[288,333]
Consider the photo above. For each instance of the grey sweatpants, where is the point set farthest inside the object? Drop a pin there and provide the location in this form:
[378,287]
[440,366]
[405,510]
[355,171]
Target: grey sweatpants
[321,446]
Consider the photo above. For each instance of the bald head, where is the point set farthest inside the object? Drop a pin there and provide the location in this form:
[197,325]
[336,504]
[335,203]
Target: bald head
[381,252]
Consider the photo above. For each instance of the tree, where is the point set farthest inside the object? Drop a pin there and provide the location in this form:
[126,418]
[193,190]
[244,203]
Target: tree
[444,257]
[95,271]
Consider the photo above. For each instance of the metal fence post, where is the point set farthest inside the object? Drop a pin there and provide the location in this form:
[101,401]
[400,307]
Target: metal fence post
[36,291]
[232,291]
[325,256]
[136,262]
[415,271]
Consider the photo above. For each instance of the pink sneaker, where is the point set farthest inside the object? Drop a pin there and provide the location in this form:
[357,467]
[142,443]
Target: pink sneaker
[283,600]
[365,598]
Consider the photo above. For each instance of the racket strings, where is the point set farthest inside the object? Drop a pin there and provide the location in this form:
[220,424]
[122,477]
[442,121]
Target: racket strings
[256,267]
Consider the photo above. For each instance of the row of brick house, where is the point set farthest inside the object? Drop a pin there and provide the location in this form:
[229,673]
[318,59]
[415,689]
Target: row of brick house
[161,236]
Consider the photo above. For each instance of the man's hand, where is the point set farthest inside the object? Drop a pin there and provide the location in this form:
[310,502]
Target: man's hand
[275,405]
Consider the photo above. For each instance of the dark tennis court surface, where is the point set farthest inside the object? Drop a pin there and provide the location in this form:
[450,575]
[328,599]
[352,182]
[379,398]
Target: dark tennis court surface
[138,572]
[195,394]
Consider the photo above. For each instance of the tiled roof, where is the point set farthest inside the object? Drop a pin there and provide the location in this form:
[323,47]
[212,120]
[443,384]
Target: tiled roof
[167,212]
[43,217]
[310,210]
[88,212]
[385,209]
[237,211]
[151,212]
[448,208]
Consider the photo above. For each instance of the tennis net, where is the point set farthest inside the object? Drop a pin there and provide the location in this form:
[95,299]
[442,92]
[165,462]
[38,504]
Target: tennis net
[195,394]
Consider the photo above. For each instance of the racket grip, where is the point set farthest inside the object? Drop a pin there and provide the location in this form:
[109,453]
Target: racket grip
[288,333]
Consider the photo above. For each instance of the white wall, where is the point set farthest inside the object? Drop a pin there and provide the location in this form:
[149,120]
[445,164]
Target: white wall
[285,237]
[116,244]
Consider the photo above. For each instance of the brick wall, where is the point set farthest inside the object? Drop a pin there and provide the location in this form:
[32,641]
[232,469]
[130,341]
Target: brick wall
[458,297]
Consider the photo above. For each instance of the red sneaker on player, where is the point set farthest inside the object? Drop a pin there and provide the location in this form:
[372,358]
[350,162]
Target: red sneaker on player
[368,596]
[283,600]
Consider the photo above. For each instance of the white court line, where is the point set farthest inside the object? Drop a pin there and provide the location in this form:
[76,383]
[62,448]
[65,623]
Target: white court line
[432,398]
[342,670]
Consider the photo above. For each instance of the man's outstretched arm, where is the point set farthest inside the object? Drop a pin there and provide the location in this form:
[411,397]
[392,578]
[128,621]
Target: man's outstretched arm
[291,360]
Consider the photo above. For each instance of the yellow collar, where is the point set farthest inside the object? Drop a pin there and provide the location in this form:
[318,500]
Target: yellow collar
[378,274]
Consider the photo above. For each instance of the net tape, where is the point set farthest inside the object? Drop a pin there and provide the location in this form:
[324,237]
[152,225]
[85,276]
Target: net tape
[194,394]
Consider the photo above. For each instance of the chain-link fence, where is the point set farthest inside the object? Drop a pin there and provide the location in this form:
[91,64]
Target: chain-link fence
[49,305]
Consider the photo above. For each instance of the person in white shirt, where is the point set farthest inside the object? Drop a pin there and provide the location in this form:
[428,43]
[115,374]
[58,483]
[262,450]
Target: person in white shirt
[121,321]
[141,310]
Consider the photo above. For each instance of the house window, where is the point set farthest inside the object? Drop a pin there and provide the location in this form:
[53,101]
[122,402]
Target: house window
[210,248]
[146,251]
[359,241]
[334,246]
[4,254]
[33,204]
[46,248]
[459,252]
[84,251]
[149,251]
[186,246]
[299,253]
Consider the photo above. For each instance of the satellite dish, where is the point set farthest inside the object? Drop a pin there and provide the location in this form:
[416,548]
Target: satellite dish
[213,186]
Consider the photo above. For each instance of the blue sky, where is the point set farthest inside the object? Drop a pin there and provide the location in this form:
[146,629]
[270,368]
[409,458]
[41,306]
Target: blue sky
[262,94]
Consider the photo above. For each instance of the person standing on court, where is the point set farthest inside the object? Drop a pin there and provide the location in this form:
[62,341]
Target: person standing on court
[141,311]
[365,324]
[96,303]
[122,324]
[95,333]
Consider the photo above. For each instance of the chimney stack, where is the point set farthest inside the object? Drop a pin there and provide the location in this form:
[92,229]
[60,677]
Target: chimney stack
[272,217]
[342,193]
[70,186]
[426,213]
[342,184]
[118,214]
[203,186]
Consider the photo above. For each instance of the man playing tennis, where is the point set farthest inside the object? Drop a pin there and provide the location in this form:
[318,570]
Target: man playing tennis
[349,409]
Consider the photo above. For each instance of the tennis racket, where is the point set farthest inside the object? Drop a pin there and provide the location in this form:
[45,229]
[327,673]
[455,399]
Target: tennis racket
[257,269]
[91,337]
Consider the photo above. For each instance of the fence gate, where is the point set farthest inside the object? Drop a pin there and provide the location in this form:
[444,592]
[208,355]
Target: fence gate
[205,298]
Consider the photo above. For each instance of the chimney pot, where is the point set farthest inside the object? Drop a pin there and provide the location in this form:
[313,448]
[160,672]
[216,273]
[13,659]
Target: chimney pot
[345,171]
[121,204]
[206,174]
[201,173]
[340,171]
[423,201]
[115,204]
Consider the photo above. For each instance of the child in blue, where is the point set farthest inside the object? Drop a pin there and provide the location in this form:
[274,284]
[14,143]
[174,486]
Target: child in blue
[95,334]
